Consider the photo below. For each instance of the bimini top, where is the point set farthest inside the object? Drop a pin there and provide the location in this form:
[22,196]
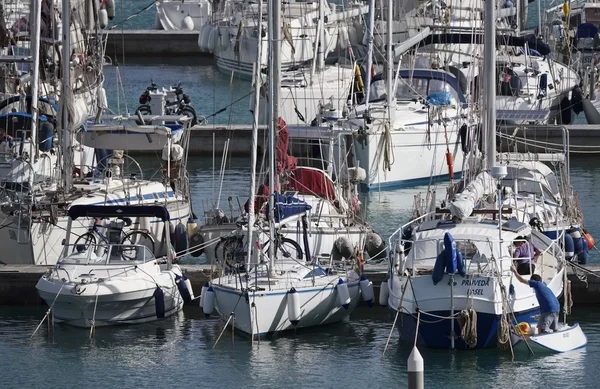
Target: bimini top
[157,211]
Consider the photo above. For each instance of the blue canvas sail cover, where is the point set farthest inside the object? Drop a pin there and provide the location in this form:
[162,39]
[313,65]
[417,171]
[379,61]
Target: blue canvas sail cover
[286,206]
[586,30]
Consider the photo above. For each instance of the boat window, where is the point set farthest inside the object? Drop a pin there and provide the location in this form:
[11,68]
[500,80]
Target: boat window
[528,186]
[548,196]
[317,272]
[411,89]
[553,182]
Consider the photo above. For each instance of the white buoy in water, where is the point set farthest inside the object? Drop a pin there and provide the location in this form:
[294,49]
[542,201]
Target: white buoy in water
[384,293]
[415,370]
[366,289]
[293,306]
[110,9]
[188,283]
[343,293]
[209,302]
[203,294]
[103,18]
[187,23]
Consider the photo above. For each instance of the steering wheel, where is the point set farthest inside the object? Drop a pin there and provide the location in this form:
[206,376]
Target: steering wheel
[130,168]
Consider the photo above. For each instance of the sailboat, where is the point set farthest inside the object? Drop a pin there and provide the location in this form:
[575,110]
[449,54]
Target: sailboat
[35,215]
[451,279]
[273,291]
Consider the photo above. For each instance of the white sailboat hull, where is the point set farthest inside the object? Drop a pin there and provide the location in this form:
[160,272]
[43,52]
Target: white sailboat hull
[319,305]
[414,160]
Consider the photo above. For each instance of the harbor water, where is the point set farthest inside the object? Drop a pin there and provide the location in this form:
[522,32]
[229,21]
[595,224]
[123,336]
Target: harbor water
[178,351]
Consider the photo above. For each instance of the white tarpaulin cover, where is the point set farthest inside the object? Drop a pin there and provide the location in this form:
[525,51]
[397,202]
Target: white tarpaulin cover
[465,201]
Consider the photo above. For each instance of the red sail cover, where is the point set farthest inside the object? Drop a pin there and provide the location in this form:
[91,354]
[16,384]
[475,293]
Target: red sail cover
[311,181]
[285,162]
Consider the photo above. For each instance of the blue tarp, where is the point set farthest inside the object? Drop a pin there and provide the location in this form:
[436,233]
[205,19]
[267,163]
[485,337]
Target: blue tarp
[586,30]
[288,206]
[439,98]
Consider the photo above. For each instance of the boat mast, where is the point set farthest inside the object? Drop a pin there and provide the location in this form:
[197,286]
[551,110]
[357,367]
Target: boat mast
[489,80]
[321,35]
[253,151]
[390,64]
[274,86]
[66,85]
[369,52]
[35,77]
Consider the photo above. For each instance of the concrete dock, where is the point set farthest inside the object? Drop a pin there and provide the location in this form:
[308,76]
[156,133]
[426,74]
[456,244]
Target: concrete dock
[584,139]
[17,283]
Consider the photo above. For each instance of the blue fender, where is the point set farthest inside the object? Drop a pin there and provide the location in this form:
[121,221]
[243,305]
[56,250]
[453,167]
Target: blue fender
[438,269]
[450,253]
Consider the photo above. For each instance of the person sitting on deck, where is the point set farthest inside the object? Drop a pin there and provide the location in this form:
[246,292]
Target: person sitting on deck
[525,255]
[549,305]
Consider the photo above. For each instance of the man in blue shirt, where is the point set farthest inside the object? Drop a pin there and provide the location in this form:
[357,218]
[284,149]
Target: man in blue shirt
[549,305]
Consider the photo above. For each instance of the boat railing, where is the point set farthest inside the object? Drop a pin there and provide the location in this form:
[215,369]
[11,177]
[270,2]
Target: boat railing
[471,251]
[106,254]
[402,227]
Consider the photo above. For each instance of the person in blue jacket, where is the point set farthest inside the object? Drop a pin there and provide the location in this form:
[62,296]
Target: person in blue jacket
[549,305]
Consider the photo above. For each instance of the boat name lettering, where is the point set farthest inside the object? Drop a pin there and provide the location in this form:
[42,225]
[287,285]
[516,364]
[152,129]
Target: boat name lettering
[475,292]
[476,282]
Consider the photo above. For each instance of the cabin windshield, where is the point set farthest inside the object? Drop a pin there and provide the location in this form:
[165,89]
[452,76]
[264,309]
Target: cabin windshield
[437,92]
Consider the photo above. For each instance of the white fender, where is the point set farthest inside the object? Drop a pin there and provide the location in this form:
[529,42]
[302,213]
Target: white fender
[203,37]
[343,38]
[343,294]
[203,294]
[366,289]
[384,293]
[208,304]
[293,305]
[187,23]
[188,283]
[103,18]
[213,38]
[110,9]
[224,38]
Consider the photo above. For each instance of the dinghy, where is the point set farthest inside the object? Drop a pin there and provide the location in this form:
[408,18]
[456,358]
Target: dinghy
[566,338]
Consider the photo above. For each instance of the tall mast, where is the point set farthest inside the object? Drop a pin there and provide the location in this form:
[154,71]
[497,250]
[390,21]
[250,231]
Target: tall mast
[253,156]
[35,76]
[390,65]
[274,86]
[66,90]
[369,52]
[321,54]
[489,80]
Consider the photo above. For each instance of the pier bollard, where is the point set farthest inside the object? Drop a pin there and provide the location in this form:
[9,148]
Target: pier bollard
[415,370]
